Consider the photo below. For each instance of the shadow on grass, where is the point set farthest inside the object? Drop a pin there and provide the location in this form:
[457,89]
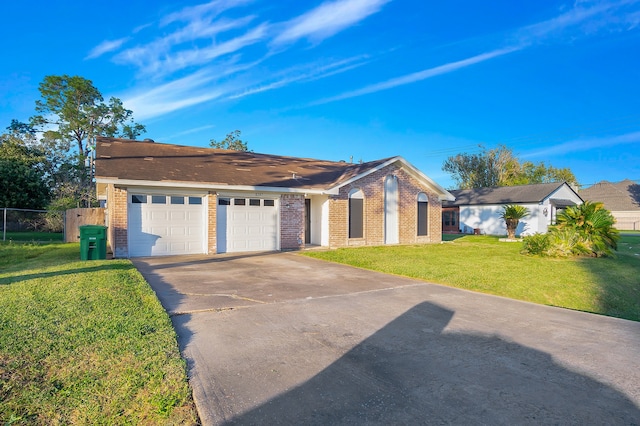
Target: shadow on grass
[88,269]
[452,237]
[618,279]
[414,372]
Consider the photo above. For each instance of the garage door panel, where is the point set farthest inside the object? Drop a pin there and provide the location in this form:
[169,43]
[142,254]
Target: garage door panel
[251,227]
[166,229]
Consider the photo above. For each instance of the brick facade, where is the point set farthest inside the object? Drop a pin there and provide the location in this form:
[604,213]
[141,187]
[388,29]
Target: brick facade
[372,186]
[291,221]
[292,214]
[212,210]
[117,220]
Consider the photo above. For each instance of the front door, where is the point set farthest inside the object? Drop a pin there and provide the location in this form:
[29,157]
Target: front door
[450,220]
[307,221]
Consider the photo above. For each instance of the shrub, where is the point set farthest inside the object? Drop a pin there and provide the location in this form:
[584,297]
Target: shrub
[594,226]
[536,244]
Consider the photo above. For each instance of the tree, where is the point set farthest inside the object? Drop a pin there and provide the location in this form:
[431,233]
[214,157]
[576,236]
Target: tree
[71,114]
[500,167]
[511,214]
[22,174]
[232,141]
[489,168]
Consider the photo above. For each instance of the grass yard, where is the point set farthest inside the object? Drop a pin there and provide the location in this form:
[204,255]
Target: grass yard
[85,343]
[608,286]
[47,237]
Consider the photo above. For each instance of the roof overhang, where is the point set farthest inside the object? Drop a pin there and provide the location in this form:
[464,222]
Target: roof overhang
[103,181]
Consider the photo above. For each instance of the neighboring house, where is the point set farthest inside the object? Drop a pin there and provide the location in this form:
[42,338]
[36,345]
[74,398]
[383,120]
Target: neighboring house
[478,210]
[622,199]
[167,199]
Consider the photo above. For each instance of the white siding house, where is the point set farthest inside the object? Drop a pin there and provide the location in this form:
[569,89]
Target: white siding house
[478,210]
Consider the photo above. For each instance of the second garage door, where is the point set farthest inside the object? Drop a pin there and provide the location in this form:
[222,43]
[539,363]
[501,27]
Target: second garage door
[247,224]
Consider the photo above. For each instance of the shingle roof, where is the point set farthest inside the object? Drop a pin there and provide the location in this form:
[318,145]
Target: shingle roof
[503,195]
[621,196]
[148,161]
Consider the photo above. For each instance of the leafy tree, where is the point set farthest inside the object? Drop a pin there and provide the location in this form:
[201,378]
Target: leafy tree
[70,115]
[500,167]
[22,174]
[232,141]
[511,214]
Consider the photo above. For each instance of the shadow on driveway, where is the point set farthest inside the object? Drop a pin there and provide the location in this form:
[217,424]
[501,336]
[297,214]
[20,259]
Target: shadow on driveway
[411,372]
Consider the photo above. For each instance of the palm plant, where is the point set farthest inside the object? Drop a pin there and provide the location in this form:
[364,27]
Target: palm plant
[511,214]
[594,224]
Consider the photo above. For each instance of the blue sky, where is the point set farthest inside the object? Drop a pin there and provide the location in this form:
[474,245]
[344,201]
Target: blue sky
[557,81]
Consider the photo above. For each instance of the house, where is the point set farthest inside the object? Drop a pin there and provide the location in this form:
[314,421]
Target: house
[166,199]
[478,210]
[622,199]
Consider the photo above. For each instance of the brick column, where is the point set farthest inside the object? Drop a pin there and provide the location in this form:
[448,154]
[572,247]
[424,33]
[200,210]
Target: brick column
[117,210]
[291,221]
[212,211]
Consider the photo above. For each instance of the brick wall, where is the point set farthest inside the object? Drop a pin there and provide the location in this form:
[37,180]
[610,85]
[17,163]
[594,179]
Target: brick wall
[212,208]
[291,221]
[117,220]
[372,187]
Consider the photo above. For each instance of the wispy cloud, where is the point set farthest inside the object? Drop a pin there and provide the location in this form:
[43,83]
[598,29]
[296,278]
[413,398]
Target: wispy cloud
[297,76]
[420,75]
[162,57]
[581,17]
[584,19]
[106,47]
[169,97]
[188,132]
[585,144]
[194,13]
[328,19]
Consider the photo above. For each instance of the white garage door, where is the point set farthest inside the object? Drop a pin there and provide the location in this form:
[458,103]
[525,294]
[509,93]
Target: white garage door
[247,224]
[161,225]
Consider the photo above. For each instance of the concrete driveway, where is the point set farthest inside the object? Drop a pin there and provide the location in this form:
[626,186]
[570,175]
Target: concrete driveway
[283,339]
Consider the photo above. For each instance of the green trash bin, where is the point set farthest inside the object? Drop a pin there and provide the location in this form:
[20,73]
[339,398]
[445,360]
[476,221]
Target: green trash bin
[93,242]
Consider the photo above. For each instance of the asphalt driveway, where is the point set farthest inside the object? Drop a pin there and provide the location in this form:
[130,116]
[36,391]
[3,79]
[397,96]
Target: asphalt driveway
[283,339]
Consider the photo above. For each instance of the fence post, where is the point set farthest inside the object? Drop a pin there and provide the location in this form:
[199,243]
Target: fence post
[4,226]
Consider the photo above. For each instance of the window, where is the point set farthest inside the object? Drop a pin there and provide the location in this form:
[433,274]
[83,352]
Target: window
[254,202]
[423,214]
[224,202]
[195,200]
[269,203]
[239,202]
[158,199]
[138,199]
[356,213]
[177,200]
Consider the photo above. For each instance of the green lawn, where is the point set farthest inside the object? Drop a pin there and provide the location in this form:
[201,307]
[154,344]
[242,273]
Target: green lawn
[85,343]
[32,236]
[608,286]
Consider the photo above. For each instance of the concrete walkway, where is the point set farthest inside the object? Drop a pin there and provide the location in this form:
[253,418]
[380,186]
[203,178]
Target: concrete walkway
[284,339]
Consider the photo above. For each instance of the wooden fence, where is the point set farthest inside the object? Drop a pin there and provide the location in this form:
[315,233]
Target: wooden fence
[74,218]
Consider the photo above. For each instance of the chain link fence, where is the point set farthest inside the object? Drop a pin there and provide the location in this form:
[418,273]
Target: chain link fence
[25,222]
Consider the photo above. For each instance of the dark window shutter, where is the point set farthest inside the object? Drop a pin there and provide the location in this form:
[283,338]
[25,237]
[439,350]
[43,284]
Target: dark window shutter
[423,218]
[356,213]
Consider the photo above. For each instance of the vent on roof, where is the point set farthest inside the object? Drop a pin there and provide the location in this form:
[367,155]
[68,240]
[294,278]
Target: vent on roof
[149,140]
[148,158]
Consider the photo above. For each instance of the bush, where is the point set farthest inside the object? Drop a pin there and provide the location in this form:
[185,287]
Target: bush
[586,229]
[536,244]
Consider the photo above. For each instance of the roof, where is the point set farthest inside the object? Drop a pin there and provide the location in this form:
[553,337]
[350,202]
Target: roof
[146,162]
[520,194]
[620,196]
